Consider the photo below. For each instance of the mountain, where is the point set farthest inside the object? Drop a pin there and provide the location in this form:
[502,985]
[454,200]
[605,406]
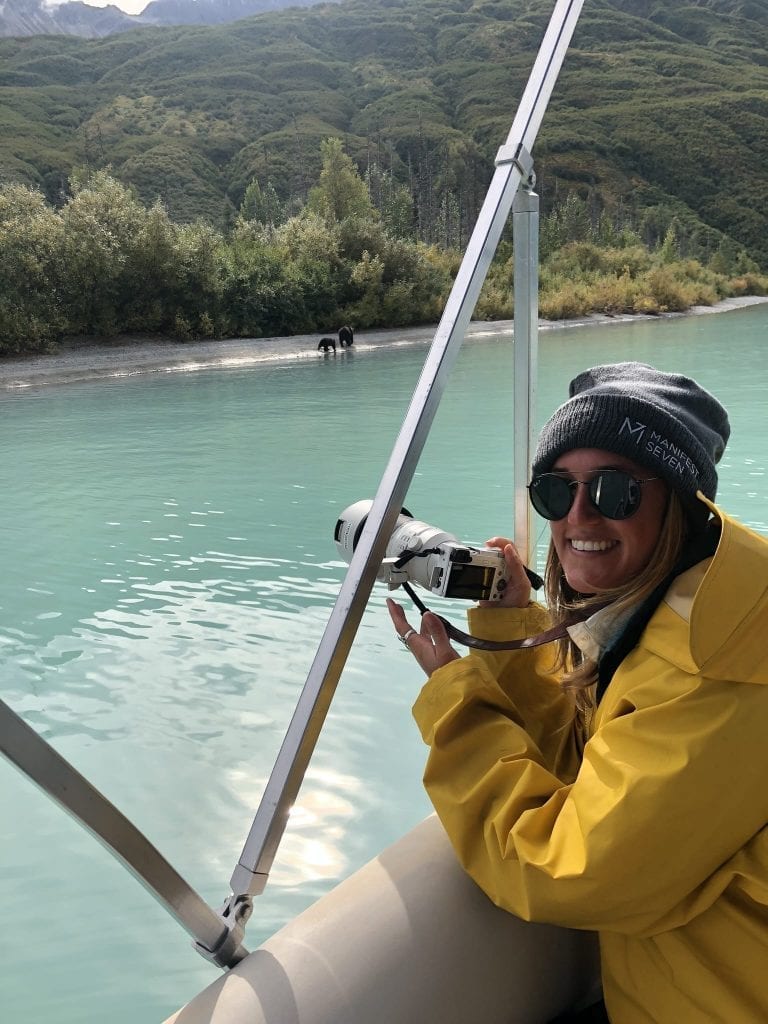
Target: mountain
[661,109]
[73,18]
[211,12]
[34,17]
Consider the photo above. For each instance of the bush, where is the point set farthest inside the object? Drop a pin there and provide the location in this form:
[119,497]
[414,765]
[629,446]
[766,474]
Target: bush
[182,328]
[495,302]
[105,263]
[748,284]
[615,295]
[31,272]
[671,294]
[565,303]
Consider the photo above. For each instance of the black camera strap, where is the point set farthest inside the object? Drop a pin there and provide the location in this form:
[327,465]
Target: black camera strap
[460,637]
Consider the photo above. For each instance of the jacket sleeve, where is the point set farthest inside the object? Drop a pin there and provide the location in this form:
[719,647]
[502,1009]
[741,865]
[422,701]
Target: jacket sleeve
[529,678]
[638,842]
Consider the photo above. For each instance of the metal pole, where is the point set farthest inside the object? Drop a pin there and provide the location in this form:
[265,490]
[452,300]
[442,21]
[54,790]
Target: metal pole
[218,935]
[217,938]
[513,164]
[525,226]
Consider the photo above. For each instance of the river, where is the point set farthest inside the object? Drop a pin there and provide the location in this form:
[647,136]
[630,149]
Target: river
[168,572]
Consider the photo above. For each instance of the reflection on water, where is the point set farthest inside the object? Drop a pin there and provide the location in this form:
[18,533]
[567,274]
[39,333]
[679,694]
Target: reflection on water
[168,570]
[316,840]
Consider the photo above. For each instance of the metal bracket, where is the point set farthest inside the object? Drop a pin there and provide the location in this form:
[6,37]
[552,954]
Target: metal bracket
[34,756]
[518,156]
[234,916]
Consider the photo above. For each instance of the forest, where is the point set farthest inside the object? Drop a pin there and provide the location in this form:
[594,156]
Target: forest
[103,264]
[211,143]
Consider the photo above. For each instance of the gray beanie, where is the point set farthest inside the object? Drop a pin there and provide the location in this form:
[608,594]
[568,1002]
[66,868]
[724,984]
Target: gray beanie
[664,421]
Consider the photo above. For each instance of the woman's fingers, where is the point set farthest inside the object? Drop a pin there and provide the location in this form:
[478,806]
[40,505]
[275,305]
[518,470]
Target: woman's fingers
[397,615]
[498,542]
[433,629]
[430,645]
[518,590]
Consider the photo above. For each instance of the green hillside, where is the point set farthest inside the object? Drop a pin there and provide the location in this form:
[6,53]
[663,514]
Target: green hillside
[661,109]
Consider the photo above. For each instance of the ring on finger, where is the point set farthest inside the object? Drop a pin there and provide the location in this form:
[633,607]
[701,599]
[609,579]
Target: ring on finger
[406,636]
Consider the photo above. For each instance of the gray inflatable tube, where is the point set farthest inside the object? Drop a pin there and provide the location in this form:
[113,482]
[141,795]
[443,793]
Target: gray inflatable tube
[407,939]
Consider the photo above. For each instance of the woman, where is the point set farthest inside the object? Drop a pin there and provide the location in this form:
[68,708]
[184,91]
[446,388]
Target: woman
[618,784]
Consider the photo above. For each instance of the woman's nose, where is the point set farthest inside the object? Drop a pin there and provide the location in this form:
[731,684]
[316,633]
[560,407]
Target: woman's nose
[582,510]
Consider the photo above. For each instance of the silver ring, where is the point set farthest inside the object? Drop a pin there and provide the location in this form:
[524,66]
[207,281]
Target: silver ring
[406,636]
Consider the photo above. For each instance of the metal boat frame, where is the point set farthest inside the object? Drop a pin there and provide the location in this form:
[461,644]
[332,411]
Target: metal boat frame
[218,934]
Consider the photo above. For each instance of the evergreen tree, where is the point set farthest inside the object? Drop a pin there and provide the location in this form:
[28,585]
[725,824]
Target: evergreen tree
[341,192]
[262,205]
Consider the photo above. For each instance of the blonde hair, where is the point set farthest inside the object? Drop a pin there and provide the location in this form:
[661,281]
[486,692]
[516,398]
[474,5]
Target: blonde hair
[566,605]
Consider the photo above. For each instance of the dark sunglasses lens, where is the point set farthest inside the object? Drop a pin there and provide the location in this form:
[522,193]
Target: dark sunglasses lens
[550,496]
[615,495]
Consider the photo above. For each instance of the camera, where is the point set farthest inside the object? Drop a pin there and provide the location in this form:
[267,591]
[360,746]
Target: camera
[423,554]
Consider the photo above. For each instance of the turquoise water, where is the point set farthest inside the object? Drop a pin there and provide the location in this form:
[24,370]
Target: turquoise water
[168,570]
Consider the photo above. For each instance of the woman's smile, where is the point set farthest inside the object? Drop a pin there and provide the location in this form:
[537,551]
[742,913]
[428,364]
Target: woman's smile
[592,545]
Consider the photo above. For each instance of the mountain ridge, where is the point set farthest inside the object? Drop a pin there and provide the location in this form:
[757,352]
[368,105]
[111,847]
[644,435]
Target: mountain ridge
[661,107]
[20,18]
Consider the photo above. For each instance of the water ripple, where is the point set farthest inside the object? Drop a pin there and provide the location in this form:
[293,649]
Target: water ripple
[168,572]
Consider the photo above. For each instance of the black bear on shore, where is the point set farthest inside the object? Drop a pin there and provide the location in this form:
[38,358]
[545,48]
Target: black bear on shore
[325,344]
[346,337]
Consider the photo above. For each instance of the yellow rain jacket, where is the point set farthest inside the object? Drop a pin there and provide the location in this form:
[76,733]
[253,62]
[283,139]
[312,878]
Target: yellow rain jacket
[654,833]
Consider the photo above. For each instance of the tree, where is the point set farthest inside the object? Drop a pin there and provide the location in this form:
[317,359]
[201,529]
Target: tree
[341,192]
[101,222]
[261,205]
[311,248]
[669,250]
[397,212]
[31,315]
[393,201]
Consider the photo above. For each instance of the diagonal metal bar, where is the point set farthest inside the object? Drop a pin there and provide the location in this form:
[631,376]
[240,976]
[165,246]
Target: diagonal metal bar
[218,934]
[28,751]
[513,165]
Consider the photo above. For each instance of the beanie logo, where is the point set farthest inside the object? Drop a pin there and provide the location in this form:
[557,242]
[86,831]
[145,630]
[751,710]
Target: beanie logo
[660,447]
[636,432]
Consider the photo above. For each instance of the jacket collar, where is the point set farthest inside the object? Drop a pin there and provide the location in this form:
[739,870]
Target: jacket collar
[729,610]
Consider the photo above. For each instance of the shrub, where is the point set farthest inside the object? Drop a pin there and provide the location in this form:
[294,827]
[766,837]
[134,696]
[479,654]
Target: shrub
[207,326]
[182,328]
[614,295]
[749,284]
[31,271]
[495,302]
[564,303]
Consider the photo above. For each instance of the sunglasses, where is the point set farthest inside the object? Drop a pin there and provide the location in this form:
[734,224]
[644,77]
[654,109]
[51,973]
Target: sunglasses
[614,493]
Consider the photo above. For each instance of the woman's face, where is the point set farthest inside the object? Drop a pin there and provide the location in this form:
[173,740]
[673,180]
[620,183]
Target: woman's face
[598,553]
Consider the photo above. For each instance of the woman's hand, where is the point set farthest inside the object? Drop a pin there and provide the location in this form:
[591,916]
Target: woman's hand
[518,590]
[430,646]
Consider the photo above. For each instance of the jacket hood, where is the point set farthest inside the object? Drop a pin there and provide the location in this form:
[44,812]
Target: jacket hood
[726,604]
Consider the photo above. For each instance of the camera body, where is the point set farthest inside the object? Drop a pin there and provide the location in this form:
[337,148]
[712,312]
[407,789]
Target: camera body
[422,554]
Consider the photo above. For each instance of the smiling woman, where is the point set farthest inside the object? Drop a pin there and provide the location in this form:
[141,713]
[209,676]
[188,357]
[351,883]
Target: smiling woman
[564,783]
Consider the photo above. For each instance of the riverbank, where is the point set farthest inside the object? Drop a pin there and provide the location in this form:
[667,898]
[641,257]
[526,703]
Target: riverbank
[79,359]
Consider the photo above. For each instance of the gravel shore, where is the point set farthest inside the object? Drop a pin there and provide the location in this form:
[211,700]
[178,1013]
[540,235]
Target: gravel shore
[82,359]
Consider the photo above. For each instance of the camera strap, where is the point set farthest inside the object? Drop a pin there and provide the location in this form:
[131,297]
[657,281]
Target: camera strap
[460,637]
